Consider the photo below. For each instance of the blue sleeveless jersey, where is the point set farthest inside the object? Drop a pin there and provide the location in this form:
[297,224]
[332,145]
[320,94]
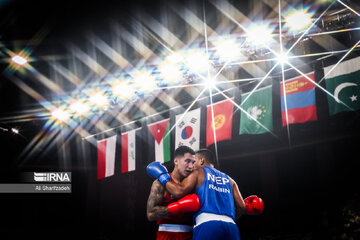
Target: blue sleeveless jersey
[215,194]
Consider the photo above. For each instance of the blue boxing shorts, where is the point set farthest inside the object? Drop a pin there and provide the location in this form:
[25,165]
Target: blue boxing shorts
[215,230]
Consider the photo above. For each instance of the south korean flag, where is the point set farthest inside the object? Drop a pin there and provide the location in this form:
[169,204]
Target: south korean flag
[188,129]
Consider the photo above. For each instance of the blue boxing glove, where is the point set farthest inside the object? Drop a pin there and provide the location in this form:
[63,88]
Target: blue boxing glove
[157,170]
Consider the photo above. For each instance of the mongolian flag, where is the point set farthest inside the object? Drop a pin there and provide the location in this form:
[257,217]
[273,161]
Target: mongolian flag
[300,104]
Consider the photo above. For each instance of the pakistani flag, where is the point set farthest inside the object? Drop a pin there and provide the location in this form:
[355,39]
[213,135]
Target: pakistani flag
[258,106]
[343,82]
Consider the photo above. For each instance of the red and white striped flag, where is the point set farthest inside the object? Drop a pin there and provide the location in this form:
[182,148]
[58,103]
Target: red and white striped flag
[128,151]
[106,157]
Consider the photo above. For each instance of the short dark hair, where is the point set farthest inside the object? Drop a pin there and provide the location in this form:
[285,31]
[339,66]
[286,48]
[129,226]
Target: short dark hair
[180,151]
[207,154]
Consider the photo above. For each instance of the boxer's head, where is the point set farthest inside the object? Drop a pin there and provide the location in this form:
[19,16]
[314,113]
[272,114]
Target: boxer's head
[184,160]
[204,157]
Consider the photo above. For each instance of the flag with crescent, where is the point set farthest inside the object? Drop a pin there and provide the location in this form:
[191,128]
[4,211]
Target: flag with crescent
[298,103]
[343,82]
[258,116]
[219,127]
[188,129]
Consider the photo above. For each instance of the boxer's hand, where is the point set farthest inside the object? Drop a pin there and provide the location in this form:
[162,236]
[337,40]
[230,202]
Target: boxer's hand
[189,203]
[157,170]
[254,205]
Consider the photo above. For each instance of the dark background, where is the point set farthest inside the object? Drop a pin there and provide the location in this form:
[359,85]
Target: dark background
[305,185]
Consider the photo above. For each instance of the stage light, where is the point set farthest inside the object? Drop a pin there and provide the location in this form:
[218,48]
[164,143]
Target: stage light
[170,73]
[99,99]
[174,58]
[123,90]
[298,20]
[79,108]
[145,82]
[15,130]
[282,58]
[210,83]
[197,62]
[227,49]
[259,35]
[19,60]
[60,115]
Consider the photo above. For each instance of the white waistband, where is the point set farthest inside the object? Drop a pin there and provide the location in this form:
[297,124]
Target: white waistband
[175,228]
[205,217]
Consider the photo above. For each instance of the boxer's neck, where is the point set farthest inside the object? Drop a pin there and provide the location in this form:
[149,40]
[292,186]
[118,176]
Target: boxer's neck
[176,177]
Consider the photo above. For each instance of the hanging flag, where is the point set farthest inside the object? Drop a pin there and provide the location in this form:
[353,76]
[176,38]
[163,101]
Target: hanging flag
[106,157]
[188,129]
[259,107]
[300,100]
[128,151]
[162,144]
[223,113]
[343,82]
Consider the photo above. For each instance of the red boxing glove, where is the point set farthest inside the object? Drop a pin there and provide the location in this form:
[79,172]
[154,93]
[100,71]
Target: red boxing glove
[254,205]
[189,203]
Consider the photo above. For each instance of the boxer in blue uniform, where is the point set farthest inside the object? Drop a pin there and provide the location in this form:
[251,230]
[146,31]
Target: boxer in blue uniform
[220,198]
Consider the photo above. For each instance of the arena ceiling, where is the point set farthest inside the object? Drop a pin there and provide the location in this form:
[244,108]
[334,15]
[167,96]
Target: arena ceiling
[96,66]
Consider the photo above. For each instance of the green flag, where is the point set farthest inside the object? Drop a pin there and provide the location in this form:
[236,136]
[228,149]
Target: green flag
[258,106]
[343,82]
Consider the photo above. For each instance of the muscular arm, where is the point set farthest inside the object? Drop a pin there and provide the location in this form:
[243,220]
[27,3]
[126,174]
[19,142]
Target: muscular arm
[154,209]
[188,185]
[240,206]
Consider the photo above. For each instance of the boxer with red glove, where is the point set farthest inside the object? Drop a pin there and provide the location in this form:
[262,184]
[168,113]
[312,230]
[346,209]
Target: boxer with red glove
[174,216]
[189,203]
[254,205]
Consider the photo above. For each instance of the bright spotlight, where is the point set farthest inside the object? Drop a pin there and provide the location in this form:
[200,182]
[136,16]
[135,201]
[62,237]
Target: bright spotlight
[197,62]
[227,49]
[210,83]
[19,60]
[170,73]
[259,35]
[124,90]
[298,20]
[15,130]
[99,99]
[282,58]
[79,108]
[174,58]
[60,115]
[145,82]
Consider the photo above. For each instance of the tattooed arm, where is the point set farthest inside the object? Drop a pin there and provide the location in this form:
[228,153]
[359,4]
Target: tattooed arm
[155,210]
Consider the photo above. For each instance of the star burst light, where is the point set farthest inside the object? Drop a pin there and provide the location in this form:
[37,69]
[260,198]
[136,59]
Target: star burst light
[79,108]
[259,34]
[227,49]
[123,90]
[298,20]
[145,82]
[60,114]
[18,61]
